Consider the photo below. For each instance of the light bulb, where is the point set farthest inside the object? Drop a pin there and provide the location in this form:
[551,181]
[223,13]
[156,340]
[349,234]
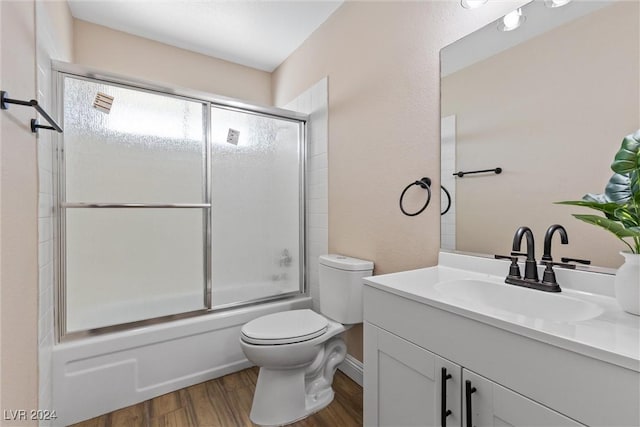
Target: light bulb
[556,3]
[472,4]
[511,20]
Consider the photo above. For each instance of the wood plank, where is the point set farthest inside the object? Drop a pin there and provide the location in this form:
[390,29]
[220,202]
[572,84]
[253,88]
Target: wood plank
[100,421]
[350,395]
[177,418]
[164,404]
[252,373]
[131,416]
[236,380]
[239,402]
[335,415]
[187,405]
[206,414]
[222,404]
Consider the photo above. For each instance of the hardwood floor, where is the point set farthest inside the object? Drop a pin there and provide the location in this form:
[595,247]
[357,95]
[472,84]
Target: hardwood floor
[226,402]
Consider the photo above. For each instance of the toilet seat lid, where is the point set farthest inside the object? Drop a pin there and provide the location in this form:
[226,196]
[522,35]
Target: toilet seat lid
[286,327]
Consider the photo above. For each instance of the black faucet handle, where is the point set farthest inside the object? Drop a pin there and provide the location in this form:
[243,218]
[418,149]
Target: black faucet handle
[558,264]
[579,261]
[549,277]
[514,268]
[517,254]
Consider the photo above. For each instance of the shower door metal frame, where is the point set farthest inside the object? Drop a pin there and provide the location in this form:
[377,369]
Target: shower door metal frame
[62,69]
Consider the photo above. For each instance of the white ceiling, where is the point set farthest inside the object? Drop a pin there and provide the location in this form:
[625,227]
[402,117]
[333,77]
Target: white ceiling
[257,33]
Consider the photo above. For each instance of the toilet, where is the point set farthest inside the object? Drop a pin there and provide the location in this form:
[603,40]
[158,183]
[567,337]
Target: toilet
[298,351]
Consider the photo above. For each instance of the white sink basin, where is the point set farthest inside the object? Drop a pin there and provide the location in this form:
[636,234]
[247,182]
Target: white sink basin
[473,294]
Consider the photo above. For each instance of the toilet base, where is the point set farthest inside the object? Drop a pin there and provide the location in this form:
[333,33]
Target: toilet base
[279,397]
[284,396]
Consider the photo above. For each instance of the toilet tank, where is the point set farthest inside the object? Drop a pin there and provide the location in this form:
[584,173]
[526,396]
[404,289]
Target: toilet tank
[340,283]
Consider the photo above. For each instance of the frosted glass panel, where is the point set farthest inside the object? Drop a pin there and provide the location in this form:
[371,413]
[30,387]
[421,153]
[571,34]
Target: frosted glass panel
[255,209]
[125,265]
[148,149]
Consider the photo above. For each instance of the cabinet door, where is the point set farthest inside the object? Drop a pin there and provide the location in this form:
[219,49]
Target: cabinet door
[493,405]
[403,383]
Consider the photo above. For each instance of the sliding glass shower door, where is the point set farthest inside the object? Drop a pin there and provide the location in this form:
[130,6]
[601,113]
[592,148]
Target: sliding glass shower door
[134,204]
[256,171]
[173,205]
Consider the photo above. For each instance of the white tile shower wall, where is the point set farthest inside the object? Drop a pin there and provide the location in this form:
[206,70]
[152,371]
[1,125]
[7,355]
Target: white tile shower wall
[46,50]
[314,101]
[448,165]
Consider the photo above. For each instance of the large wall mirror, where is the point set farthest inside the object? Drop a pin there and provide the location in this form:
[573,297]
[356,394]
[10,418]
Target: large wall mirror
[548,102]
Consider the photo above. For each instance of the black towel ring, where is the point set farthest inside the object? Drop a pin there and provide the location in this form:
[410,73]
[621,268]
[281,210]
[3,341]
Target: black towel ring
[424,183]
[446,192]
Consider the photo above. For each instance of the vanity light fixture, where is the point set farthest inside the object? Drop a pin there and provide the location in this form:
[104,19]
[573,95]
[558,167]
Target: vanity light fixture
[556,3]
[512,20]
[472,4]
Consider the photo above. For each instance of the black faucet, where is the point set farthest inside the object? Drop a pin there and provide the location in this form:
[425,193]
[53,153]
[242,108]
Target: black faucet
[530,267]
[530,279]
[547,240]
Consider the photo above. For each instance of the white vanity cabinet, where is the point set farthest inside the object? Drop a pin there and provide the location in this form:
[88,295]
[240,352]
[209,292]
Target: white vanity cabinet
[405,386]
[494,405]
[526,371]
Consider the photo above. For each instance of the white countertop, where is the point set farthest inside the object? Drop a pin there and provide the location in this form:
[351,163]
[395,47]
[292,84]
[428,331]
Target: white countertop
[613,336]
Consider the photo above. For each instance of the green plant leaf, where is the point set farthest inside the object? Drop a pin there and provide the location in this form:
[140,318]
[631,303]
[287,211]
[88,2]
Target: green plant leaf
[613,226]
[620,201]
[627,159]
[627,216]
[634,185]
[606,207]
[627,163]
[634,209]
[600,198]
[618,189]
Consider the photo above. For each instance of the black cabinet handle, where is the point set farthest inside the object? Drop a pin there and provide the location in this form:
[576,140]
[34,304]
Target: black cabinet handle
[468,391]
[444,412]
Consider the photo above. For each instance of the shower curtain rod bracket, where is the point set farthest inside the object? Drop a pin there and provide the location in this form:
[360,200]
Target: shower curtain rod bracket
[4,100]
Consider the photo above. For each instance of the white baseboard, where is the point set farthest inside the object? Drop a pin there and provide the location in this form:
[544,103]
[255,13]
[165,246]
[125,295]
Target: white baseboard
[353,368]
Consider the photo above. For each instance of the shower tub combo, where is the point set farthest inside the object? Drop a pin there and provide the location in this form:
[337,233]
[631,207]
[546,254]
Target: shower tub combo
[180,218]
[95,375]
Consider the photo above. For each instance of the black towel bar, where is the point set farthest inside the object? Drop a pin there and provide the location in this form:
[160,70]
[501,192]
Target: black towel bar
[461,174]
[4,100]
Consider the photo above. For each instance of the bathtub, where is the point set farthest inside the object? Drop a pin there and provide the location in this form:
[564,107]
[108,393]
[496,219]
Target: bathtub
[99,374]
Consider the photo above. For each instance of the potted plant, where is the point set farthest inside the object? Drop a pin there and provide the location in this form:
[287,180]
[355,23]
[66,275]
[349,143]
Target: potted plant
[620,204]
